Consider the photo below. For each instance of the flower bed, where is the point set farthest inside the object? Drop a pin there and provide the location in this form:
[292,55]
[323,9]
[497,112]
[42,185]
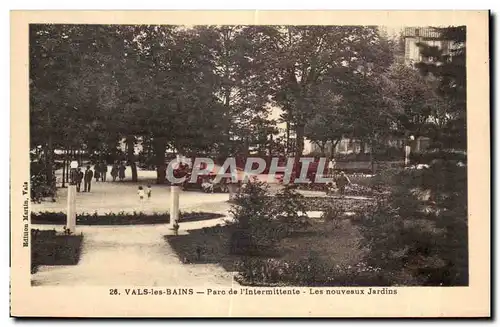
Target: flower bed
[306,272]
[121,218]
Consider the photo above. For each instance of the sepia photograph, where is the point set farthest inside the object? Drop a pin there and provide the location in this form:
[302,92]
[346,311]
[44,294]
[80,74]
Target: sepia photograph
[247,159]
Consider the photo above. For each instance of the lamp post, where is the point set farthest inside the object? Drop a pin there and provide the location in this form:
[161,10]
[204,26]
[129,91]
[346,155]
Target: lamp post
[71,213]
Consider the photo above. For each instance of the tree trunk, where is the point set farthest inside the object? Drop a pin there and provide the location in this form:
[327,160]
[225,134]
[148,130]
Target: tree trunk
[287,138]
[322,146]
[246,150]
[49,159]
[160,146]
[299,145]
[131,156]
[49,162]
[270,145]
[64,169]
[332,150]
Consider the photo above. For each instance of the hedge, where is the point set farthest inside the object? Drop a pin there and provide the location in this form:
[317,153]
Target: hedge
[120,218]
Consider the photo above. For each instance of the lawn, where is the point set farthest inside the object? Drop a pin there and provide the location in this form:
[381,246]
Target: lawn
[53,248]
[335,243]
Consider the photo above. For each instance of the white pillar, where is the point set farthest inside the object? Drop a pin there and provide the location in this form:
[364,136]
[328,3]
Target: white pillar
[71,213]
[407,155]
[174,204]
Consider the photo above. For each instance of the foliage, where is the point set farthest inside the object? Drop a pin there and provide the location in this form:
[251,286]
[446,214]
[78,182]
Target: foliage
[447,65]
[40,187]
[427,157]
[261,220]
[417,102]
[327,126]
[289,209]
[241,88]
[418,235]
[256,231]
[310,66]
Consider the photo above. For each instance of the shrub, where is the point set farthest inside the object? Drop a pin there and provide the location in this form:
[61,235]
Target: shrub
[425,239]
[40,186]
[288,209]
[254,227]
[261,221]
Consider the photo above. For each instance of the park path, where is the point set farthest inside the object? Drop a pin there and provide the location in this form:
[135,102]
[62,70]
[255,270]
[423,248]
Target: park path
[132,256]
[113,197]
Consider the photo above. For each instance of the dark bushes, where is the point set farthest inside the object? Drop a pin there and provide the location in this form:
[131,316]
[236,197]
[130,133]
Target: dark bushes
[421,240]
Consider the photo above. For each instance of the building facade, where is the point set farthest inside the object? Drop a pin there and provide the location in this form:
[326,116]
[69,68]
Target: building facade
[413,36]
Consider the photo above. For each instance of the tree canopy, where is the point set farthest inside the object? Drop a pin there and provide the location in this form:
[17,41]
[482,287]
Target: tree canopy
[209,89]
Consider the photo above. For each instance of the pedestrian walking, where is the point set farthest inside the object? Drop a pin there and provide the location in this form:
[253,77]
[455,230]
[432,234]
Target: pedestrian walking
[97,172]
[114,172]
[342,181]
[104,171]
[148,191]
[331,166]
[121,172]
[88,179]
[79,178]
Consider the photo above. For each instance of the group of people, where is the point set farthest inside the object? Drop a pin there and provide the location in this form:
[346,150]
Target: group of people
[86,177]
[99,173]
[118,171]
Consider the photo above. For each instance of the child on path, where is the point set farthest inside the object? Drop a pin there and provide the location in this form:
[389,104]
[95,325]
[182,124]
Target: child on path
[140,192]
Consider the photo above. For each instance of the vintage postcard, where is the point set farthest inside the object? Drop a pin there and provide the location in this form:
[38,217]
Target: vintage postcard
[250,164]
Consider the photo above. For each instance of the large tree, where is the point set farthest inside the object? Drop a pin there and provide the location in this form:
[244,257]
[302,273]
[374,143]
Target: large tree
[179,109]
[304,62]
[241,88]
[447,64]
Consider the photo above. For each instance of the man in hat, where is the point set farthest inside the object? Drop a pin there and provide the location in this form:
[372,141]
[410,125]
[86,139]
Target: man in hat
[88,179]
